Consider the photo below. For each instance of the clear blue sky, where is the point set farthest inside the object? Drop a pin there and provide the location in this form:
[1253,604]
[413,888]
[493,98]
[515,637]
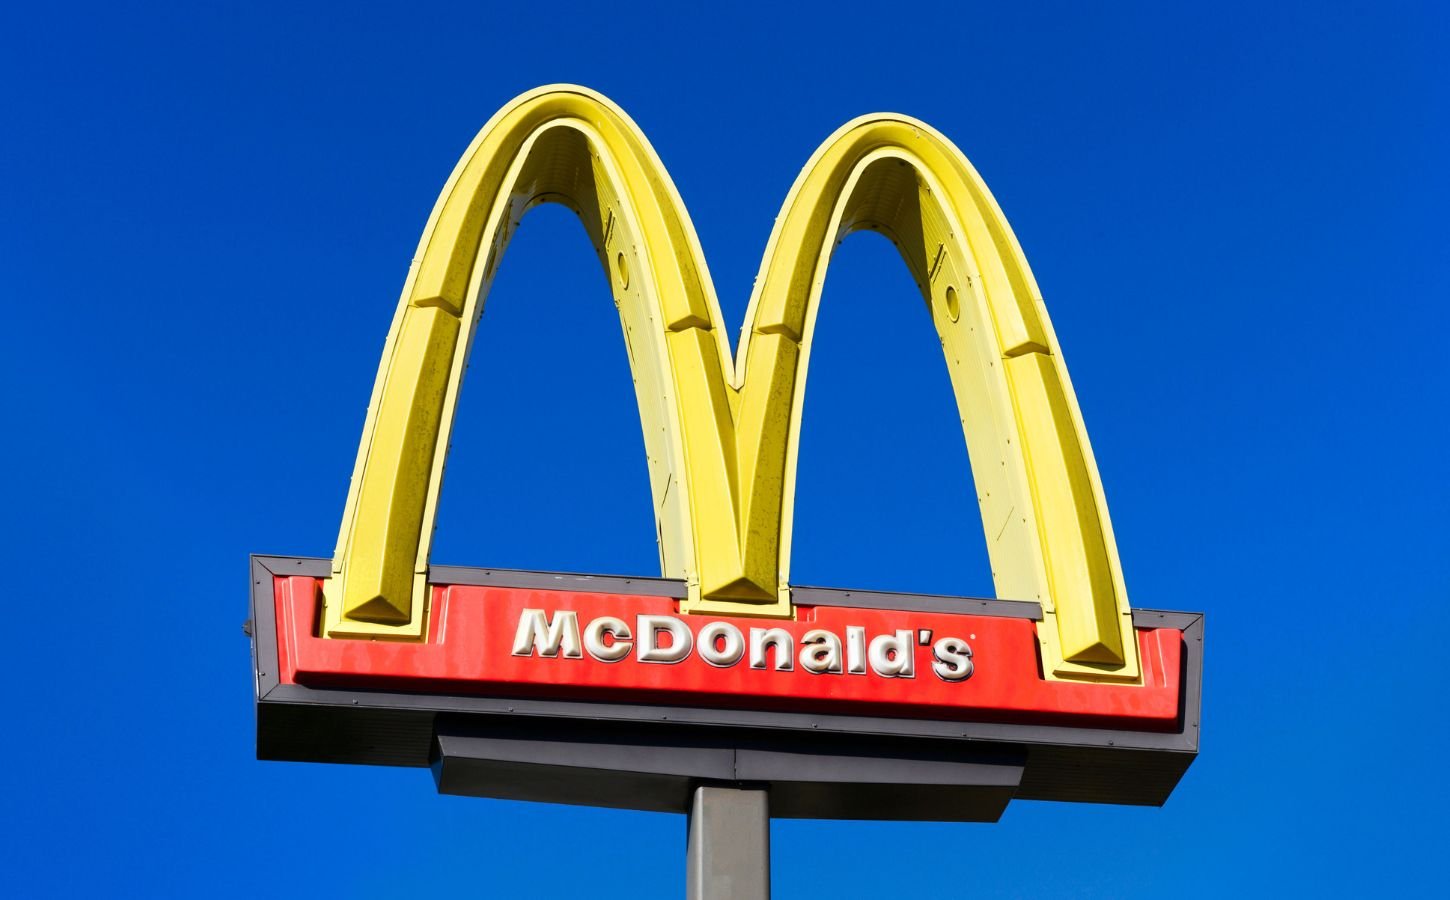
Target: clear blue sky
[1236,214]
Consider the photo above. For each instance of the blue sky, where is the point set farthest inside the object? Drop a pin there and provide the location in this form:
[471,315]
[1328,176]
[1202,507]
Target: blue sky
[1236,214]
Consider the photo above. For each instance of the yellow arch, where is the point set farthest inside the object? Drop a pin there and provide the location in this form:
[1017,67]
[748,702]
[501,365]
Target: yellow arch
[721,434]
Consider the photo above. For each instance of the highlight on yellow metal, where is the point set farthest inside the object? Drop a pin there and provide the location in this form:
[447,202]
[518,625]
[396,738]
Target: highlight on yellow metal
[722,434]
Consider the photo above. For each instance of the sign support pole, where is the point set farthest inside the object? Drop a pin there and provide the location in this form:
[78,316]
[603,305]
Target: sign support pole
[728,856]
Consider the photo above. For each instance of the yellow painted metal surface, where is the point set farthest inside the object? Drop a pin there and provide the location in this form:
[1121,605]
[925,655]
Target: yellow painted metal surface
[722,433]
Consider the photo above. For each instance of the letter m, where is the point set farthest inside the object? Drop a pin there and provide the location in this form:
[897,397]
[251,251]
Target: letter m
[538,633]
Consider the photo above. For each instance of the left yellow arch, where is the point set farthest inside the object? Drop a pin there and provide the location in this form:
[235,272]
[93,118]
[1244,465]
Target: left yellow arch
[721,433]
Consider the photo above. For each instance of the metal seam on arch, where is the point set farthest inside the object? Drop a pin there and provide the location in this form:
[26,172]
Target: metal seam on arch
[722,433]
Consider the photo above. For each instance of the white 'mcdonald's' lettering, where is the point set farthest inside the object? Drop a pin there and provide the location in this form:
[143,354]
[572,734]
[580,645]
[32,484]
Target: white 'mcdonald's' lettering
[668,639]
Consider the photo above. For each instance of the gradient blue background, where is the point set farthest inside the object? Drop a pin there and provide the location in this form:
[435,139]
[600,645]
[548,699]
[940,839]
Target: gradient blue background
[1236,214]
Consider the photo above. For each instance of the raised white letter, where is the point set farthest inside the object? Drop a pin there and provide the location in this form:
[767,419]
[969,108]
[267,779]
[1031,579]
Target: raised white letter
[892,657]
[594,634]
[780,639]
[820,652]
[650,650]
[855,650]
[710,651]
[536,633]
[953,659]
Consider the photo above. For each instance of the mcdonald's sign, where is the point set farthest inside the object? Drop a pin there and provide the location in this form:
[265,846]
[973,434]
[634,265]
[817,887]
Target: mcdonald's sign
[626,691]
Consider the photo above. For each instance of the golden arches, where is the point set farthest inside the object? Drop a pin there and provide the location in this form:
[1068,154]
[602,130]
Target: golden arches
[721,434]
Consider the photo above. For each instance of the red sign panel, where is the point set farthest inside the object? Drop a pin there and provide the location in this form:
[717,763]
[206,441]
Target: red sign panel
[564,644]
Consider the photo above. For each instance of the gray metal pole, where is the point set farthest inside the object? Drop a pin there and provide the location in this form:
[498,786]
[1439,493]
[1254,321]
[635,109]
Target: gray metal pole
[729,845]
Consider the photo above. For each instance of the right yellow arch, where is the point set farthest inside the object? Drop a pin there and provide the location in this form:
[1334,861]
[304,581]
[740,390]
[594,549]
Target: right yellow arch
[722,434]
